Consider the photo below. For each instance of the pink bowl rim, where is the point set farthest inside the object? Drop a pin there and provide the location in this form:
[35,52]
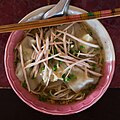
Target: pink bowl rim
[56,112]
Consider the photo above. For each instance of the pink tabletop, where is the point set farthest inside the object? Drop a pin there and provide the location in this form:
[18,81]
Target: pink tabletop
[13,11]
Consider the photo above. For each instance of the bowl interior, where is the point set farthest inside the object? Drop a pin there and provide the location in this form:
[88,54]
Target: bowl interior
[31,100]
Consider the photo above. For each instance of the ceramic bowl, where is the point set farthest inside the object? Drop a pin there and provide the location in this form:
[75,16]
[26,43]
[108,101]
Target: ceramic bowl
[72,108]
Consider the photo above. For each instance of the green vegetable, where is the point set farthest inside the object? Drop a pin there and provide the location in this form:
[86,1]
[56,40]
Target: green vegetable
[54,67]
[14,50]
[43,98]
[33,78]
[96,49]
[63,76]
[24,84]
[102,61]
[67,79]
[74,52]
[60,62]
[71,51]
[82,47]
[57,40]
[41,69]
[90,32]
[55,51]
[70,77]
[94,66]
[16,60]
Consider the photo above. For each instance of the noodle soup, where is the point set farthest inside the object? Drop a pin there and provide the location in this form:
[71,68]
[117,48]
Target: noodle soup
[60,64]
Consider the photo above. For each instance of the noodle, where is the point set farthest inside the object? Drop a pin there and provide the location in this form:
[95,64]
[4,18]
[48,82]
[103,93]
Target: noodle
[60,64]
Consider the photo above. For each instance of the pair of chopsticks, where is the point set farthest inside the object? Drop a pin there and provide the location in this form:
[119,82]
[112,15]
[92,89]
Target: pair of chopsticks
[61,20]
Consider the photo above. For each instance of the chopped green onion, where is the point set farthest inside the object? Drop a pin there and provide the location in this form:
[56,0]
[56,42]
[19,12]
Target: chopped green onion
[90,32]
[74,52]
[67,79]
[24,85]
[54,67]
[82,47]
[33,78]
[41,69]
[55,51]
[70,77]
[94,66]
[102,61]
[63,76]
[96,49]
[71,51]
[43,98]
[60,62]
[56,40]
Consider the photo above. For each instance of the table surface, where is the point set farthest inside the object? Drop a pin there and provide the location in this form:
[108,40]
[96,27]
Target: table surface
[13,10]
[12,108]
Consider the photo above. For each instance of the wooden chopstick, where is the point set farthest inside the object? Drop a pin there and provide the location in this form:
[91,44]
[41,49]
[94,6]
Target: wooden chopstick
[60,20]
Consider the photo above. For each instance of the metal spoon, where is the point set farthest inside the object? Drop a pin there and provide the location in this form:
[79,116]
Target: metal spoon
[59,9]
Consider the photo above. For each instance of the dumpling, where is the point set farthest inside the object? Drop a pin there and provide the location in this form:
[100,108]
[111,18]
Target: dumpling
[27,47]
[19,72]
[79,83]
[89,39]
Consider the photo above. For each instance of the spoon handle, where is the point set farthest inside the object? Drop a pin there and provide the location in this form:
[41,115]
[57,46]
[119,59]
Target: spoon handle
[65,5]
[58,10]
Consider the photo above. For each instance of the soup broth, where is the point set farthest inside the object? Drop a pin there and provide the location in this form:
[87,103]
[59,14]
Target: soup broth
[60,64]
